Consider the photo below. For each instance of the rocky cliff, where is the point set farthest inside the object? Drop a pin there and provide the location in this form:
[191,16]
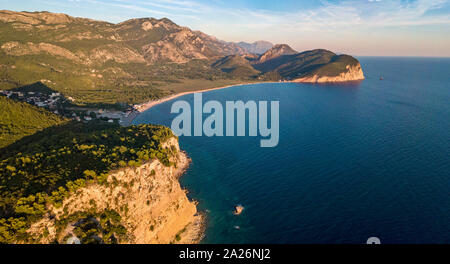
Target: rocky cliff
[313,66]
[148,200]
[352,73]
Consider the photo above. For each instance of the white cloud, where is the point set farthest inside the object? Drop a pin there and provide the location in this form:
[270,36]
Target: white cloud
[350,14]
[328,16]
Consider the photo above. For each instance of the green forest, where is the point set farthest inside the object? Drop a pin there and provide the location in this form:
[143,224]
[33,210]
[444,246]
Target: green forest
[46,167]
[21,119]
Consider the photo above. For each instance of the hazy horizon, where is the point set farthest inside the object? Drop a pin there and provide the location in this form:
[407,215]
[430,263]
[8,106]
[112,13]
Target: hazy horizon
[401,28]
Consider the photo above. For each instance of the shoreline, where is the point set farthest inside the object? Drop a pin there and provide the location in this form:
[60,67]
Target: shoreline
[147,105]
[140,108]
[195,231]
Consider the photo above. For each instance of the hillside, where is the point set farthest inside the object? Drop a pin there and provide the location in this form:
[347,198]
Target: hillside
[99,182]
[18,120]
[90,40]
[99,62]
[236,66]
[310,66]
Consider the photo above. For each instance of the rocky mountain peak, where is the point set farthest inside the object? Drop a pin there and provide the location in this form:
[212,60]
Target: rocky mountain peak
[277,51]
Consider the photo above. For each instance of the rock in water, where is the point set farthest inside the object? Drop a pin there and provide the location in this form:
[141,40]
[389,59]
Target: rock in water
[238,209]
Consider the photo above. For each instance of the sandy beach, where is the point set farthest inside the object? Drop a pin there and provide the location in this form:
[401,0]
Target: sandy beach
[145,106]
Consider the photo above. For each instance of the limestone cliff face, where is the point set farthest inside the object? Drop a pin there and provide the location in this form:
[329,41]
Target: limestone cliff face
[352,73]
[152,205]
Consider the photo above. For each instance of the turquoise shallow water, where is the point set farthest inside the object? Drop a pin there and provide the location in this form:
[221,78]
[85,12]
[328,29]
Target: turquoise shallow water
[353,161]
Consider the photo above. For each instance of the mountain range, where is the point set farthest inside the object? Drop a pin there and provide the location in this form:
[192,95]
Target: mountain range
[141,59]
[257,47]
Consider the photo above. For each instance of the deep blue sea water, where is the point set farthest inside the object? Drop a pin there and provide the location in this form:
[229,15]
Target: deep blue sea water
[353,161]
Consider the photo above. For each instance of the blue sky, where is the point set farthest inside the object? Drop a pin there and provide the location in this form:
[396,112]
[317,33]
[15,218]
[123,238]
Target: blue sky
[357,27]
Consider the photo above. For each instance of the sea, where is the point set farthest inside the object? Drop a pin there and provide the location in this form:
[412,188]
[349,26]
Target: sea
[354,161]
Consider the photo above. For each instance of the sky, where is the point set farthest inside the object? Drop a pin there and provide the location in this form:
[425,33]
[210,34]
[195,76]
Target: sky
[355,27]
